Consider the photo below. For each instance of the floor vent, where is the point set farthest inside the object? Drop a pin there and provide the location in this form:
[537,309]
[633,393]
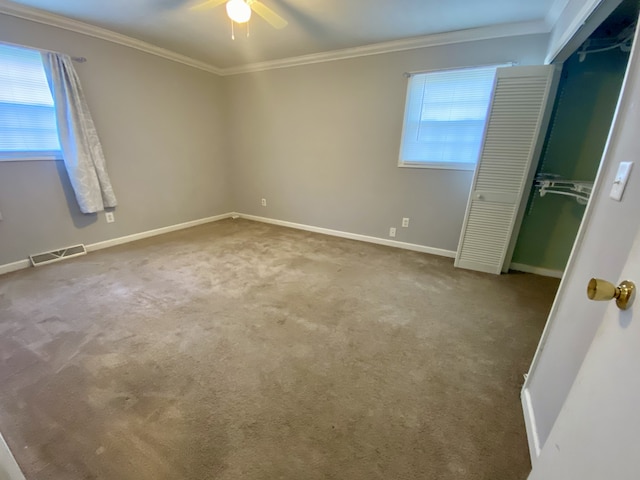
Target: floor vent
[57,255]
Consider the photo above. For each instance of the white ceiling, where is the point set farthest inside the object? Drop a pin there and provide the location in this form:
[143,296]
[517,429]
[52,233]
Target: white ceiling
[314,25]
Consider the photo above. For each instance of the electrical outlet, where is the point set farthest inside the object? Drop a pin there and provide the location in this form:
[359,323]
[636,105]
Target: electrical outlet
[110,217]
[392,232]
[405,222]
[264,202]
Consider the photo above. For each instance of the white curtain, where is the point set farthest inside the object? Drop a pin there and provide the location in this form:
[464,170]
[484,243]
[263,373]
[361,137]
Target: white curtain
[81,149]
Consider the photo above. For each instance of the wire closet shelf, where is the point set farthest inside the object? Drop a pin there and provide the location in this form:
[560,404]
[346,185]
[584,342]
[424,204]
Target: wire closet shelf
[578,189]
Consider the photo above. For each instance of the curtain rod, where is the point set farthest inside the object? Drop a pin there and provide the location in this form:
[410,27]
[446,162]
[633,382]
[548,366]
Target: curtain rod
[44,50]
[497,65]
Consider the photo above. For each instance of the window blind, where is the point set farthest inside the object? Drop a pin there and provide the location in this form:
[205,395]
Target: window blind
[445,116]
[27,116]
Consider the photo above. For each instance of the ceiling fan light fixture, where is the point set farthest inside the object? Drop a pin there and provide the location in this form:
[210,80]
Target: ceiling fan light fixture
[238,11]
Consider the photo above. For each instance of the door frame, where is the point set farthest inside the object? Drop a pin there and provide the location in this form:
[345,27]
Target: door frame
[608,160]
[9,468]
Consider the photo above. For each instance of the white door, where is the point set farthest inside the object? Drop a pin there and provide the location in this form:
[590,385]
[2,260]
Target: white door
[597,433]
[601,249]
[519,112]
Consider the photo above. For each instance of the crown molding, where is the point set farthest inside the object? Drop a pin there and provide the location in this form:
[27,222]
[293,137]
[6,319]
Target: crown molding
[46,18]
[438,39]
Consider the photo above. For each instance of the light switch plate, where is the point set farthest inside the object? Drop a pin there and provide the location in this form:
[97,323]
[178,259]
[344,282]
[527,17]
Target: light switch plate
[620,182]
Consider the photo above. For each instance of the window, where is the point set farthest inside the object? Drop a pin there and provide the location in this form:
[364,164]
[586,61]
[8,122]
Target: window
[27,115]
[445,116]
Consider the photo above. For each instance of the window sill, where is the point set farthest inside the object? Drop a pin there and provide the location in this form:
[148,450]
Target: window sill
[31,158]
[438,165]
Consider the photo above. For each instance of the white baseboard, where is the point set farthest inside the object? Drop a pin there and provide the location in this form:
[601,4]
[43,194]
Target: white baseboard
[9,468]
[152,233]
[546,272]
[352,236]
[20,264]
[12,267]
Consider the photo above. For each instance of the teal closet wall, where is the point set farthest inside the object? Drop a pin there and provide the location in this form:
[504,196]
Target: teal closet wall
[586,101]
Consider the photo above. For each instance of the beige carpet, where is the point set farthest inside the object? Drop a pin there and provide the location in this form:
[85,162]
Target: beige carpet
[239,350]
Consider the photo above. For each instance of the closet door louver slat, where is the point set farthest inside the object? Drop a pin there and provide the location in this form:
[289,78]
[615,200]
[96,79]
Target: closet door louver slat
[518,114]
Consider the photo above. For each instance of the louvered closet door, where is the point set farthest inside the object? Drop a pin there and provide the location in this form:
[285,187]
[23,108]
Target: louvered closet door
[518,114]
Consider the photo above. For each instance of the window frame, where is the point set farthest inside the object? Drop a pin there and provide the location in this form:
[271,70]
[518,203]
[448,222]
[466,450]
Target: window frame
[464,166]
[29,155]
[38,156]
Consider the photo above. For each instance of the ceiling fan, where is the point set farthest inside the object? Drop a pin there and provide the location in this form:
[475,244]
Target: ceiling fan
[239,11]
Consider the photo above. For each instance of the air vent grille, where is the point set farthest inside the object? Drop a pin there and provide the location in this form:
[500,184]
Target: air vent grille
[57,255]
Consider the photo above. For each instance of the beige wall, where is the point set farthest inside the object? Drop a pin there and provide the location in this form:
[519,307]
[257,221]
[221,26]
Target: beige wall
[320,143]
[162,127]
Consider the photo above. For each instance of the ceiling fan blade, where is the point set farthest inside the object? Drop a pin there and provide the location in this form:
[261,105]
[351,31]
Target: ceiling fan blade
[207,4]
[269,15]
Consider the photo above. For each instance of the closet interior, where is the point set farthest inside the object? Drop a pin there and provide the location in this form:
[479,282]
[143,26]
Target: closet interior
[585,103]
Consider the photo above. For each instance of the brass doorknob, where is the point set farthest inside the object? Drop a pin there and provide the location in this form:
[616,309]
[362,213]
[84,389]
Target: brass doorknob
[624,293]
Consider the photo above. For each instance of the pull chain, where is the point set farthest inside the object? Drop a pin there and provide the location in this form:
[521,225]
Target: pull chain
[233,33]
